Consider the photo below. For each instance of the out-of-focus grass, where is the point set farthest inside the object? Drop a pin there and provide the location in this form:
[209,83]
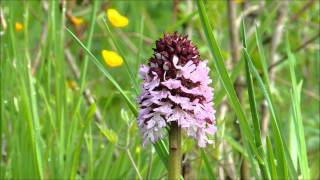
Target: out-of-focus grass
[49,131]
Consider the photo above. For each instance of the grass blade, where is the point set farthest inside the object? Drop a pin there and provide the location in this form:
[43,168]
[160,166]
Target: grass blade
[271,160]
[33,99]
[267,82]
[76,155]
[86,57]
[207,165]
[132,77]
[283,168]
[141,31]
[225,80]
[106,73]
[234,74]
[162,151]
[262,58]
[237,68]
[296,100]
[253,107]
[234,144]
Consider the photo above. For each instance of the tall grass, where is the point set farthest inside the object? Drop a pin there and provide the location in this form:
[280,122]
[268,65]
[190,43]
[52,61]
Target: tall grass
[283,159]
[50,131]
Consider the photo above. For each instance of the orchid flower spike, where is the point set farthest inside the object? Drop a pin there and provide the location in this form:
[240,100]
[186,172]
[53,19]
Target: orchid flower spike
[176,88]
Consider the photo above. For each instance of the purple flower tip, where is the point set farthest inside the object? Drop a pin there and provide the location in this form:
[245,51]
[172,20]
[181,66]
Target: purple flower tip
[176,88]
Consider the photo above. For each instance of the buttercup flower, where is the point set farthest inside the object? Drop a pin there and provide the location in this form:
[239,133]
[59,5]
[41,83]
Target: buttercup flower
[116,18]
[176,88]
[18,26]
[111,58]
[77,21]
[238,1]
[72,85]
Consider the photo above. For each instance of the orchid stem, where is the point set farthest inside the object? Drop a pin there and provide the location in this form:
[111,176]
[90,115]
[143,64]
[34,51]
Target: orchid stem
[174,166]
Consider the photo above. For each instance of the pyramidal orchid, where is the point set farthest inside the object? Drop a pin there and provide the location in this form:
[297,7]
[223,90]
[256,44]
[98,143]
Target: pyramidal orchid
[176,93]
[176,88]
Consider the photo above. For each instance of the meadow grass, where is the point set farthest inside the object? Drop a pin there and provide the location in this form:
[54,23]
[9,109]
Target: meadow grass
[66,115]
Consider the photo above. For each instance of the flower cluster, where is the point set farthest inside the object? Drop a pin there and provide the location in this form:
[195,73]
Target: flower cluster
[176,89]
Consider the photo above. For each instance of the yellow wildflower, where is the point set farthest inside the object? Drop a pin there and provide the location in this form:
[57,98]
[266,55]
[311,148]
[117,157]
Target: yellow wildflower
[239,1]
[77,21]
[111,58]
[18,26]
[72,85]
[116,18]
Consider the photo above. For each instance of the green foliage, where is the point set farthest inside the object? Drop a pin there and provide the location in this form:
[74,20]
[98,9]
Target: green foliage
[60,124]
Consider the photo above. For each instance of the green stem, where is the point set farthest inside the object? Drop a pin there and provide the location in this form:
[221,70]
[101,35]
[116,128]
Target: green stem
[174,166]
